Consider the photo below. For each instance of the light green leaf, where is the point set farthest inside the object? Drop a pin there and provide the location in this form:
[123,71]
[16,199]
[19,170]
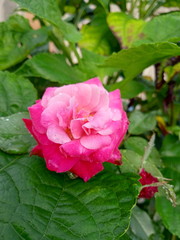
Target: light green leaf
[52,67]
[128,89]
[141,122]
[49,11]
[14,137]
[97,37]
[16,93]
[141,224]
[132,32]
[134,60]
[125,28]
[39,204]
[17,40]
[131,161]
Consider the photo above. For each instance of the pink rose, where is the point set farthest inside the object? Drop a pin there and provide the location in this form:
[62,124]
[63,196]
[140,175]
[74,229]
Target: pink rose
[146,179]
[78,127]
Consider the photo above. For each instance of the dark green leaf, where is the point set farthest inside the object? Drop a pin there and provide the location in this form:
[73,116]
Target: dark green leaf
[52,67]
[170,215]
[16,93]
[134,60]
[141,122]
[39,204]
[49,11]
[17,40]
[14,137]
[170,146]
[105,4]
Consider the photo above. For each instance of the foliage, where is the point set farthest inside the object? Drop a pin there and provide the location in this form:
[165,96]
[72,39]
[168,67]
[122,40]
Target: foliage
[116,47]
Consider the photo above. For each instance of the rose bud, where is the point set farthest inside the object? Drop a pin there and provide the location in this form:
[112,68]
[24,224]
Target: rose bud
[78,127]
[146,179]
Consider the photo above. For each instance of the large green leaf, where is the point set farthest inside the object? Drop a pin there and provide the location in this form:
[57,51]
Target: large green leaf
[49,11]
[97,37]
[14,137]
[52,67]
[17,40]
[141,122]
[130,31]
[16,93]
[39,204]
[134,60]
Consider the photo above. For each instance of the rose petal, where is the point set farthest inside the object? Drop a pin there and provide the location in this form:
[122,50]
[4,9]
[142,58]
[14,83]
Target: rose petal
[57,134]
[115,100]
[95,81]
[56,161]
[76,128]
[48,94]
[86,170]
[37,150]
[95,141]
[35,113]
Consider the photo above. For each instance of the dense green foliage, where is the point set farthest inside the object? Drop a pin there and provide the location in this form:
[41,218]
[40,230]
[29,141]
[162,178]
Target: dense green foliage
[114,46]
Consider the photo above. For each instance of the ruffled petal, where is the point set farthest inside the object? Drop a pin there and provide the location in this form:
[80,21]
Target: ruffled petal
[55,161]
[48,94]
[86,170]
[35,114]
[95,81]
[76,128]
[57,134]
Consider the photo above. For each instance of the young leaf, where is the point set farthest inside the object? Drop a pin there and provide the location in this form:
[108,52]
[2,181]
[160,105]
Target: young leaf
[14,137]
[17,40]
[39,204]
[16,93]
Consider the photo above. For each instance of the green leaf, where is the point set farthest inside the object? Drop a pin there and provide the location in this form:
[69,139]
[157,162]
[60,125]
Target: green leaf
[170,146]
[105,4]
[48,10]
[128,89]
[141,122]
[39,204]
[131,32]
[141,224]
[14,137]
[131,161]
[52,67]
[125,28]
[170,215]
[97,37]
[134,60]
[16,93]
[17,40]
[91,65]
[138,145]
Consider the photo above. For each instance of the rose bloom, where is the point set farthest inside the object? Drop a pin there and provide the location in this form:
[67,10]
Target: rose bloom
[146,179]
[78,127]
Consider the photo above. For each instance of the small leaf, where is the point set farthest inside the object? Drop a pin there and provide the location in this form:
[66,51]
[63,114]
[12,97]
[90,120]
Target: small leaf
[141,224]
[134,60]
[16,93]
[39,204]
[141,122]
[17,40]
[52,67]
[49,11]
[14,137]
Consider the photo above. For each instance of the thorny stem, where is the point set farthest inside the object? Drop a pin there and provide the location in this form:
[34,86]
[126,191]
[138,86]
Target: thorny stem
[148,150]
